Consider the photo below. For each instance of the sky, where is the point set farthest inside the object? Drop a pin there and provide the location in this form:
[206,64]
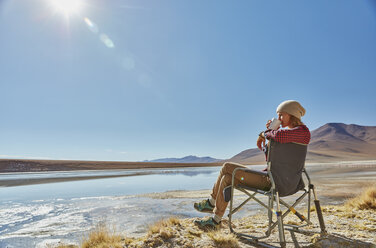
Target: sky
[138,80]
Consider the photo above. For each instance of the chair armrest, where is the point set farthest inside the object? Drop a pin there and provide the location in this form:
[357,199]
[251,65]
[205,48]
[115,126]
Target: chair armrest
[268,173]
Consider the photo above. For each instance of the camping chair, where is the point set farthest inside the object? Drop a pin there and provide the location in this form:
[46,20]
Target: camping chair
[285,167]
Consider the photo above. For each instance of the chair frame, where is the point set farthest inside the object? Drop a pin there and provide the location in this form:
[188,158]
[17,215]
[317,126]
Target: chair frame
[273,196]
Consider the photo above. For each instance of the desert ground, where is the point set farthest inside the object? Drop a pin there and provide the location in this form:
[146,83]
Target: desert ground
[346,225]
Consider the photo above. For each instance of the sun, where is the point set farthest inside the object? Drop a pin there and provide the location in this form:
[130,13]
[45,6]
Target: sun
[67,7]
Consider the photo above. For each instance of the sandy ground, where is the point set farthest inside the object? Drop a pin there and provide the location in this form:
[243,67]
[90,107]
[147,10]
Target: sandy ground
[354,229]
[334,186]
[350,228]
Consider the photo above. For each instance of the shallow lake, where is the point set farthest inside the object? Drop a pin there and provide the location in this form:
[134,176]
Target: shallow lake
[155,180]
[32,214]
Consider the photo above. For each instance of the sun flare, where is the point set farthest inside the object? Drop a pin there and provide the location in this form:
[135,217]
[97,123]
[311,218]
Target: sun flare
[67,7]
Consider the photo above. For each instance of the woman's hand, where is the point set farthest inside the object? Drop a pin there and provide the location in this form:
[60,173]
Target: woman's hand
[260,142]
[268,124]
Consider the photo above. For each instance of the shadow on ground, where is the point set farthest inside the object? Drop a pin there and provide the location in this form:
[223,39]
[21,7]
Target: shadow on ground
[319,241]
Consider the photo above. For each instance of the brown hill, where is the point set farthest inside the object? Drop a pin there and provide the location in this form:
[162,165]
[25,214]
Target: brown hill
[338,141]
[329,143]
[26,165]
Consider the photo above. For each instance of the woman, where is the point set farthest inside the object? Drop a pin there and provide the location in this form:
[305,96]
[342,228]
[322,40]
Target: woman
[289,114]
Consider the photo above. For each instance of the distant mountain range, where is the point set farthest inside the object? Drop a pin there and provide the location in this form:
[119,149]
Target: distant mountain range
[330,142]
[338,141]
[187,159]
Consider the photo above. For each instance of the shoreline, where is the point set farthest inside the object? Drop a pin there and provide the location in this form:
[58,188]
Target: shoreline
[26,165]
[34,181]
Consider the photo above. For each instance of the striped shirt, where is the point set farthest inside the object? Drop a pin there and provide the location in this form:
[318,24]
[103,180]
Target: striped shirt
[299,134]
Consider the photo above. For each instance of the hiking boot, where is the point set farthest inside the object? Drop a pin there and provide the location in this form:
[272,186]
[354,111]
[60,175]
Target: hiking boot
[208,223]
[204,206]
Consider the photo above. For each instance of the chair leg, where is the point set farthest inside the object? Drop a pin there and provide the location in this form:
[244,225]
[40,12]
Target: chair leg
[281,229]
[319,212]
[320,217]
[294,239]
[230,210]
[270,215]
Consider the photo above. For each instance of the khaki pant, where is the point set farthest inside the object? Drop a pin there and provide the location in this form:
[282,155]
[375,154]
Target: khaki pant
[250,179]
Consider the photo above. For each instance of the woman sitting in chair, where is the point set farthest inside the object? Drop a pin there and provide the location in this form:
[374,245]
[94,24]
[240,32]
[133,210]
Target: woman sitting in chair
[289,114]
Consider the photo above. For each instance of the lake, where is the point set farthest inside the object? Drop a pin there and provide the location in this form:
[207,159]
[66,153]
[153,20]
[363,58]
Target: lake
[32,214]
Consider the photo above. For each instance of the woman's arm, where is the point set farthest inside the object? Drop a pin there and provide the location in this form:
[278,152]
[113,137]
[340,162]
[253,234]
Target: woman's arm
[299,134]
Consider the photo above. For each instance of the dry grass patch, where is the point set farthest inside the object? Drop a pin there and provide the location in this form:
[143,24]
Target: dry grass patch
[102,237]
[196,233]
[367,200]
[222,240]
[162,224]
[364,227]
[164,228]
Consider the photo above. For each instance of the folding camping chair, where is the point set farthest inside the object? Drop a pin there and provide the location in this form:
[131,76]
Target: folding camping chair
[285,167]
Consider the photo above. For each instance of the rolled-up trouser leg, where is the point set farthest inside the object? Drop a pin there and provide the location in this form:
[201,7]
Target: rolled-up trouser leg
[227,168]
[250,179]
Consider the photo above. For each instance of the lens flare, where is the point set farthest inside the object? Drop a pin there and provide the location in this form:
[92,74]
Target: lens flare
[107,41]
[91,25]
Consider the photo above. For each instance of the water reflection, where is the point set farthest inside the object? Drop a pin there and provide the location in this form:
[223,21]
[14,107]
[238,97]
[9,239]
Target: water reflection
[146,181]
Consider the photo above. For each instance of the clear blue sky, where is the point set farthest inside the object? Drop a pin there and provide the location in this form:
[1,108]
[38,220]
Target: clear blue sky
[135,80]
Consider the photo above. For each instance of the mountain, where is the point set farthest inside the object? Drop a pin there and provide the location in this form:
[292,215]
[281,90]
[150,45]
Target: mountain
[330,142]
[338,141]
[187,159]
